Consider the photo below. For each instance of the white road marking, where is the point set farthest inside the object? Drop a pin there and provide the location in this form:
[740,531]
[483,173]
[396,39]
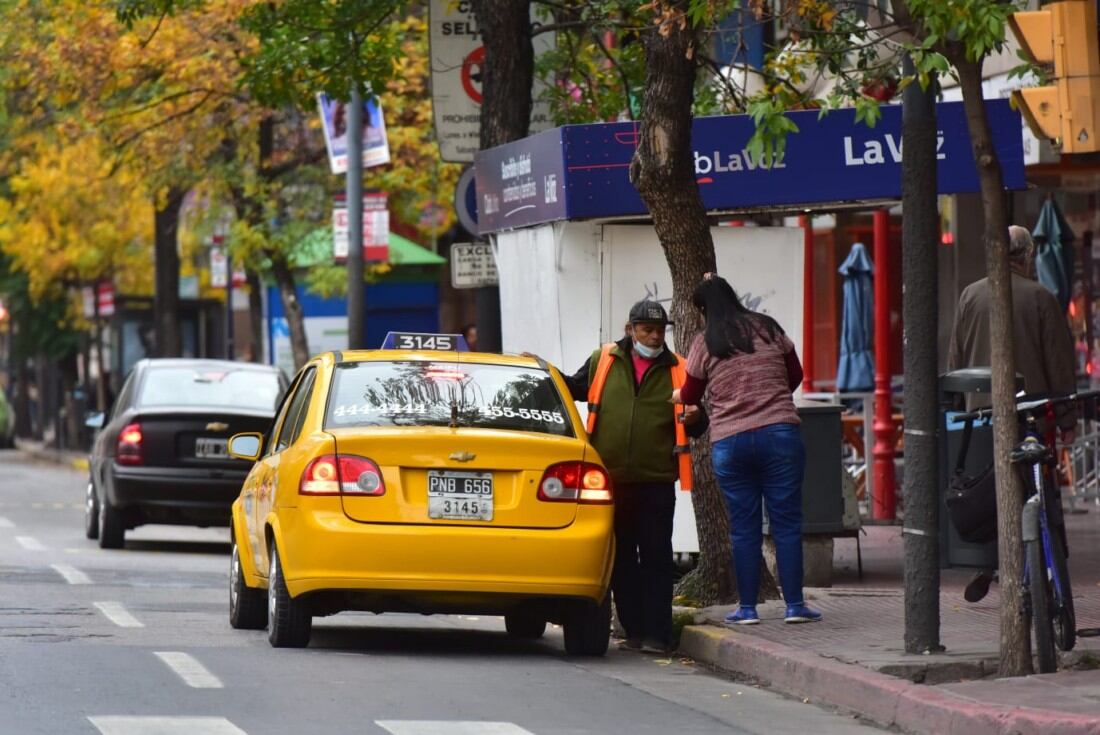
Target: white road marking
[131,725]
[5,523]
[72,575]
[118,614]
[30,543]
[189,669]
[445,727]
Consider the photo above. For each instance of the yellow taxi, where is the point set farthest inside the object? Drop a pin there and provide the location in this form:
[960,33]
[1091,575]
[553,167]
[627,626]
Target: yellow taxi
[424,479]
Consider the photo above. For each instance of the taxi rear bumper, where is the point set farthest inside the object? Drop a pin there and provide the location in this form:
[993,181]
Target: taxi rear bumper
[346,564]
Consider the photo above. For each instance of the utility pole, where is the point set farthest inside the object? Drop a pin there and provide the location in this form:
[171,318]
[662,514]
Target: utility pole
[920,315]
[356,311]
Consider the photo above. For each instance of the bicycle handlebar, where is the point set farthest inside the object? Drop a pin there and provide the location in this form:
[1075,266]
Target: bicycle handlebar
[1024,407]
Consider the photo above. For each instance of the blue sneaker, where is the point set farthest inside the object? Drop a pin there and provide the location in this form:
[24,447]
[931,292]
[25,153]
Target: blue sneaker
[801,614]
[743,616]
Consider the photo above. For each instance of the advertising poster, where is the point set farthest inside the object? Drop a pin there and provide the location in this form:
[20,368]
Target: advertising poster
[334,121]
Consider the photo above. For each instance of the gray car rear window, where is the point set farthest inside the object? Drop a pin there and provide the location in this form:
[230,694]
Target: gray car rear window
[217,387]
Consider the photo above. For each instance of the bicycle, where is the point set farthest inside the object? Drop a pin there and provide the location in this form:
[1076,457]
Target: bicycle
[1048,596]
[1047,593]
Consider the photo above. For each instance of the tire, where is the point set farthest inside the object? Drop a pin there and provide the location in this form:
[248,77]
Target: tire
[289,622]
[588,629]
[524,625]
[1040,609]
[247,606]
[1065,620]
[91,512]
[112,532]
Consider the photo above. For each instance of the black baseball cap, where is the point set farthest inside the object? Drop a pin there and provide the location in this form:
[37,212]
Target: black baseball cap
[648,311]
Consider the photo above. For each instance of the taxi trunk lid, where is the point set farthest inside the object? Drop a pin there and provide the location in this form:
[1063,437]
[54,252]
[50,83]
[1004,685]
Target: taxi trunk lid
[412,458]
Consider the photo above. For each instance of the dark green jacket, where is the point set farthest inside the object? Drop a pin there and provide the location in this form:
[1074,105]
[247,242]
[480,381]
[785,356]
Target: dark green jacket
[635,433]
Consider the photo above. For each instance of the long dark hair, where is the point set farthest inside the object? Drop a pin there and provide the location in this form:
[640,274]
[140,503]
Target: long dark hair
[730,327]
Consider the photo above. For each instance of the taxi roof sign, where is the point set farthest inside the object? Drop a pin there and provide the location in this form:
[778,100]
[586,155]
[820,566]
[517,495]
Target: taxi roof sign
[425,341]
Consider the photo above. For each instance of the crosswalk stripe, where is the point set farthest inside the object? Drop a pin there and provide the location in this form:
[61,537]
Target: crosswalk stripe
[5,523]
[189,669]
[30,543]
[118,614]
[138,725]
[72,575]
[446,727]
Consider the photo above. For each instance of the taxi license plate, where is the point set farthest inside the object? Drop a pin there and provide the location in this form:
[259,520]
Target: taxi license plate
[466,496]
[206,448]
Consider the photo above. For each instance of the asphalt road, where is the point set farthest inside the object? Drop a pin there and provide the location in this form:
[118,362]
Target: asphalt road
[138,641]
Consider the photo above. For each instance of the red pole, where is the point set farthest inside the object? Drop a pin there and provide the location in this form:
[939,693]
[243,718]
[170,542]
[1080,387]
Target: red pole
[884,503]
[807,223]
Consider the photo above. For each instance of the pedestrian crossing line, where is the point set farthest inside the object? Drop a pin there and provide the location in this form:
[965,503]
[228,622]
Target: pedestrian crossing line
[143,725]
[118,614]
[5,523]
[71,574]
[30,543]
[189,669]
[447,727]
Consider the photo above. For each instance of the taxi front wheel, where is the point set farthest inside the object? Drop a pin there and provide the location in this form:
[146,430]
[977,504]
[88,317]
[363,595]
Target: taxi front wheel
[289,622]
[247,606]
[588,629]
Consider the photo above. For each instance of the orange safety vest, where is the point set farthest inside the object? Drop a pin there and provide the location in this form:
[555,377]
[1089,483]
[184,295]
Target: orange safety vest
[679,375]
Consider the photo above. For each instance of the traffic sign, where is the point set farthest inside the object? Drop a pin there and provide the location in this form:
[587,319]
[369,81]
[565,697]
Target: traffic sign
[466,200]
[473,265]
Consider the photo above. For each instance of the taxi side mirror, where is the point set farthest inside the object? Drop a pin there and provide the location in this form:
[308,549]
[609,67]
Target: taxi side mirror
[246,446]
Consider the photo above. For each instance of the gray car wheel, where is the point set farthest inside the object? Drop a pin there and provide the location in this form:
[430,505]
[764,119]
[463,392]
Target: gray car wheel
[91,512]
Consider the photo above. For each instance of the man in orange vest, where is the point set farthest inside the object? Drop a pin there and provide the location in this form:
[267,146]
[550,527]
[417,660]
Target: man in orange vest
[643,441]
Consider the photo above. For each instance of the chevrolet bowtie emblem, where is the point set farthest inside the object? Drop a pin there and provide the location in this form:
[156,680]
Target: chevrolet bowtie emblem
[462,456]
[216,426]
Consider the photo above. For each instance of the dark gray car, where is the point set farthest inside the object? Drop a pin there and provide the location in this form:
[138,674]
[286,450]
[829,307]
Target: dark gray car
[160,456]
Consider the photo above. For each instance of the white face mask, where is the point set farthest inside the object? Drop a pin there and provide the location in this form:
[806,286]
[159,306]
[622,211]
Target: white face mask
[647,352]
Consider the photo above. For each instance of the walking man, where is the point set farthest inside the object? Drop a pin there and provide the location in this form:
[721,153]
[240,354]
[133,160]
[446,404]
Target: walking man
[643,441]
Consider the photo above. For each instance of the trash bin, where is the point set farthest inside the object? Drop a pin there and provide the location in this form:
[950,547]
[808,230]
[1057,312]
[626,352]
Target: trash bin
[954,552]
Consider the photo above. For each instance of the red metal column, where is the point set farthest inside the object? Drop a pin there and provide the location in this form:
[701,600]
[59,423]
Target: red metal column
[884,503]
[807,223]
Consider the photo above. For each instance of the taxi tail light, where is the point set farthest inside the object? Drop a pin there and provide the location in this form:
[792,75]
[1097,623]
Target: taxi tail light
[578,482]
[342,474]
[129,448]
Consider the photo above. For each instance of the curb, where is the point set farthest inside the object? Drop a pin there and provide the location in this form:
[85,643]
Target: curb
[65,458]
[885,700]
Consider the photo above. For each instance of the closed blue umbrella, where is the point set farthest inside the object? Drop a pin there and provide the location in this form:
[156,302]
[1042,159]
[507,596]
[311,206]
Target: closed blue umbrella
[1054,261]
[856,369]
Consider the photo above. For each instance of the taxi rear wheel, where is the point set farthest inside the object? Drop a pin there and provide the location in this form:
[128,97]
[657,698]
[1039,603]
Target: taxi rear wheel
[247,606]
[588,629]
[524,625]
[289,622]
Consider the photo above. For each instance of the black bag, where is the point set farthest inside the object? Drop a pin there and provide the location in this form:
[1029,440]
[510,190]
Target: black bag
[972,500]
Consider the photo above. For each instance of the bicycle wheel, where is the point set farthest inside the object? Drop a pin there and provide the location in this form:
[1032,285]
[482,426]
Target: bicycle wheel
[1065,621]
[1040,608]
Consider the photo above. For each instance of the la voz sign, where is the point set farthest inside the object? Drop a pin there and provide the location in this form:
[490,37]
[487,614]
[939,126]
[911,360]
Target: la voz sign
[581,171]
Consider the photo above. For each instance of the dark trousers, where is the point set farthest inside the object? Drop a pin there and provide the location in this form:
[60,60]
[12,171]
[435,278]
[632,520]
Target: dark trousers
[643,575]
[768,464]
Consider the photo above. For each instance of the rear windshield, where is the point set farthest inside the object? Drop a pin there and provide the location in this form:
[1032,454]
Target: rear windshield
[442,393]
[188,386]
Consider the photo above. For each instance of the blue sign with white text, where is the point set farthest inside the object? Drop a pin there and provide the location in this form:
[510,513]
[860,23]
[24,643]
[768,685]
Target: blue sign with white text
[581,171]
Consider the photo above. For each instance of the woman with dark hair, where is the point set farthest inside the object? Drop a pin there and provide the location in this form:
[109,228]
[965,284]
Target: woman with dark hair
[748,368]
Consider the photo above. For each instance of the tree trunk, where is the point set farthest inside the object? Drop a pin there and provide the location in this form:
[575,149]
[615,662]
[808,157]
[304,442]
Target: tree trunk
[166,305]
[256,315]
[920,307]
[288,292]
[1015,640]
[506,78]
[663,173]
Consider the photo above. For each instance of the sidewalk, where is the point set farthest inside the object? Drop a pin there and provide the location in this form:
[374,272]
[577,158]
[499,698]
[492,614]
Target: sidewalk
[39,451]
[855,658]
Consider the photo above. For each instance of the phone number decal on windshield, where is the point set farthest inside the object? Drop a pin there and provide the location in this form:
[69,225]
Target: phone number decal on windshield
[349,411]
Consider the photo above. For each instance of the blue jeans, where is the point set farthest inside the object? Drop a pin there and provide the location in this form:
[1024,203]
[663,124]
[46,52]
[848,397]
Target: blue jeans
[764,463]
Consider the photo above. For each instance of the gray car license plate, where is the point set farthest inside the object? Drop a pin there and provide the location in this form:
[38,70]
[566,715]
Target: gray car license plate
[464,496]
[206,448]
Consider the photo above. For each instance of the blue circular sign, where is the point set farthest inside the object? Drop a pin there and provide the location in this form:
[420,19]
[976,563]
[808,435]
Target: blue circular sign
[466,200]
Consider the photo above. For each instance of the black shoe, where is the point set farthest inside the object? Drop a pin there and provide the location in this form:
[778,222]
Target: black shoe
[631,644]
[652,645]
[978,587]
